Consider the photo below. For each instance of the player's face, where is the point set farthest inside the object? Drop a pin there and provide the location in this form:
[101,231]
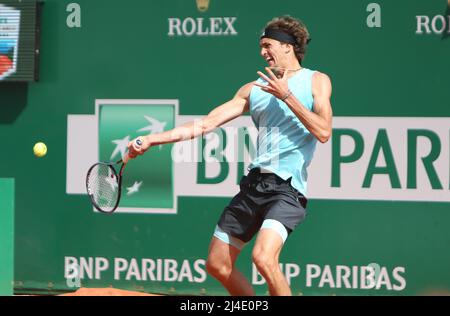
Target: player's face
[272,51]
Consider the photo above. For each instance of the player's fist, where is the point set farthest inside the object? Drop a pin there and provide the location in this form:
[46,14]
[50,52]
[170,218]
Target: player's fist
[138,146]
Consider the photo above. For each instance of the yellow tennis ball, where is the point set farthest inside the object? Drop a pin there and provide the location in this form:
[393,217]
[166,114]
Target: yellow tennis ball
[40,149]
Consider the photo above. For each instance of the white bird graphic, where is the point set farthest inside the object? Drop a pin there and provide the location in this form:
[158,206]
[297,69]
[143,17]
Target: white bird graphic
[134,188]
[122,146]
[154,127]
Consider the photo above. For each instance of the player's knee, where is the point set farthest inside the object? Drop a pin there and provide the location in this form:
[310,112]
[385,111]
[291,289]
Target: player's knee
[264,262]
[217,268]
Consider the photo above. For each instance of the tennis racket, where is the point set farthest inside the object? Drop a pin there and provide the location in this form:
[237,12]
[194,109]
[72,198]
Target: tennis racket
[104,183]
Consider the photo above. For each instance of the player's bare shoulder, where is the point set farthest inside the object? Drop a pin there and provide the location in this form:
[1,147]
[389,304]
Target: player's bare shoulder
[245,90]
[321,83]
[243,95]
[320,78]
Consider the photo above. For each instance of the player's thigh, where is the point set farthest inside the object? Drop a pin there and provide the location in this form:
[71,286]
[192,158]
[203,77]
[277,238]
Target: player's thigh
[221,254]
[268,245]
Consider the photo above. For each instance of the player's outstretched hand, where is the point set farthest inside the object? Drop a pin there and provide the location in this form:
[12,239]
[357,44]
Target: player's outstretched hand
[134,149]
[275,86]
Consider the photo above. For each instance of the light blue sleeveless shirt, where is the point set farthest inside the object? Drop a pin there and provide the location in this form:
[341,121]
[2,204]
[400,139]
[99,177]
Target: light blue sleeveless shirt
[284,147]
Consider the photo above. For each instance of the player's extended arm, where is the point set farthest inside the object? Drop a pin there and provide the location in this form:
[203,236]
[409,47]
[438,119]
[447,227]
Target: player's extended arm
[317,122]
[222,114]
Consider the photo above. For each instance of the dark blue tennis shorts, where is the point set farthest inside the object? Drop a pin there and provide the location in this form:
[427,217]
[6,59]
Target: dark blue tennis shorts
[262,196]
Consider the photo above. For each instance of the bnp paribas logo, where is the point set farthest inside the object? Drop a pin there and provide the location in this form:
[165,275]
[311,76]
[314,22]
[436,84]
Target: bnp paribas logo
[202,26]
[438,24]
[148,184]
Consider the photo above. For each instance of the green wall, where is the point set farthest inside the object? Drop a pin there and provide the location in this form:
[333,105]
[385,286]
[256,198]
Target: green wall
[122,51]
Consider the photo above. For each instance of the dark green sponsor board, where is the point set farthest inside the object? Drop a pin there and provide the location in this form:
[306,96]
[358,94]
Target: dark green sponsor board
[174,50]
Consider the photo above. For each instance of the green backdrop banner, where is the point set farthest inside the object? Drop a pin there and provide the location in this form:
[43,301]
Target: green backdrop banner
[379,191]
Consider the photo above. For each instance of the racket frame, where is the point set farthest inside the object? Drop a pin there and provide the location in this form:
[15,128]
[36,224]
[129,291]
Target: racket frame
[122,161]
[119,182]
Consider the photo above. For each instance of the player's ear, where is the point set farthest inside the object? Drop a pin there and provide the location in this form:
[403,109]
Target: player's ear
[287,48]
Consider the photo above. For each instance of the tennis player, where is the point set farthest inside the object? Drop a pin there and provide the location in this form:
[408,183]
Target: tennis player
[290,106]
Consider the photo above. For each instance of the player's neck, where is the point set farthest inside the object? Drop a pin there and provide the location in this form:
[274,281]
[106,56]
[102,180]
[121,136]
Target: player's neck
[292,67]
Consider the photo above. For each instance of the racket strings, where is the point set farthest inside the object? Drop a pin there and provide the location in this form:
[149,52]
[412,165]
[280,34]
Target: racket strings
[103,187]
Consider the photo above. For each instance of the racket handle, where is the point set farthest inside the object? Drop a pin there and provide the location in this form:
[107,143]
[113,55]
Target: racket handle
[127,157]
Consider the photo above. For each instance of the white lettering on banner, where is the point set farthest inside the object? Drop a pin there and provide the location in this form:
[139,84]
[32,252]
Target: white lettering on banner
[168,270]
[368,277]
[437,24]
[71,272]
[312,272]
[215,26]
[327,278]
[362,277]
[374,18]
[290,270]
[74,18]
[400,279]
[384,158]
[342,276]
